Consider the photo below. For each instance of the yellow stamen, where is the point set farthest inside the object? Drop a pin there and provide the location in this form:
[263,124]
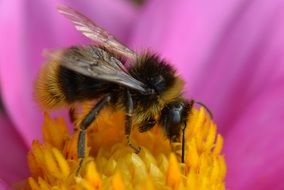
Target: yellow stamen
[53,133]
[173,174]
[111,164]
[117,182]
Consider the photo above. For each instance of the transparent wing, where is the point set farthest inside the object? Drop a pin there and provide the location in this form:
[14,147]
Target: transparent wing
[96,63]
[96,33]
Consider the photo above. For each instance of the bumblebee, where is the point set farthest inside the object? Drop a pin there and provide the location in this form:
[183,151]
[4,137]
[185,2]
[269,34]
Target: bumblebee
[144,86]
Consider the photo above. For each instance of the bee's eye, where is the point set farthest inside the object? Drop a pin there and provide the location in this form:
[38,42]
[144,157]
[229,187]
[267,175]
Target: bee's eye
[177,106]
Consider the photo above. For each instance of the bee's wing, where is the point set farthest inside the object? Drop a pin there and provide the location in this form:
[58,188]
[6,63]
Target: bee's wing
[94,62]
[94,32]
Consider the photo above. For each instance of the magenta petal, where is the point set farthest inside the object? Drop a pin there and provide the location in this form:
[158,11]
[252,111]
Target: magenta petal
[249,64]
[29,27]
[13,151]
[3,185]
[231,54]
[254,147]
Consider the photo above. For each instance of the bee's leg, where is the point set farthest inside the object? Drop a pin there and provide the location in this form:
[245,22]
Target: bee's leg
[85,123]
[72,115]
[73,118]
[183,143]
[147,125]
[128,122]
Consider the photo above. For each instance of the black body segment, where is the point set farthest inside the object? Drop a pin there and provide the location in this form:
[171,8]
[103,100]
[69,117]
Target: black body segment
[154,72]
[79,87]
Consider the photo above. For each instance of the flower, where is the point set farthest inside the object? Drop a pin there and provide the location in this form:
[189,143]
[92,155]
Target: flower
[229,52]
[111,163]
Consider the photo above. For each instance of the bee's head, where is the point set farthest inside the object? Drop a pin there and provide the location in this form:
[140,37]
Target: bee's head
[174,116]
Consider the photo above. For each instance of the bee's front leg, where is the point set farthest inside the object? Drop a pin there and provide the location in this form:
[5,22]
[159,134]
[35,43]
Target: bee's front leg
[128,122]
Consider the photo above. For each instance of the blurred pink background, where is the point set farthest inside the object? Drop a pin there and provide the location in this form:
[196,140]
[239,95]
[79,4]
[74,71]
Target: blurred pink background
[231,54]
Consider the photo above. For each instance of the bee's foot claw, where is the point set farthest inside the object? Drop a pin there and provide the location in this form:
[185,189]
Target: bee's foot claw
[138,150]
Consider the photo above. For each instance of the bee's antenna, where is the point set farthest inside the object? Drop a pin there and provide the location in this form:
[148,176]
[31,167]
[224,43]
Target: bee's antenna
[207,109]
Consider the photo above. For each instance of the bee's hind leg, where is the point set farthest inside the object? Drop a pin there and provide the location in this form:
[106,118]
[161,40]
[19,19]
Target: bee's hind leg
[128,122]
[85,123]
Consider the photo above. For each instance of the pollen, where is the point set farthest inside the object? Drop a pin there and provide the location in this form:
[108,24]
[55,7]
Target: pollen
[110,163]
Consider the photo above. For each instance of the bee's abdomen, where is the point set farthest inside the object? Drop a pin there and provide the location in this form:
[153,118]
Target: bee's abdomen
[48,92]
[77,87]
[58,86]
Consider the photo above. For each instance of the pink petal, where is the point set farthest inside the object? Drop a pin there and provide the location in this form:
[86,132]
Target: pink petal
[29,27]
[4,185]
[231,53]
[13,162]
[254,146]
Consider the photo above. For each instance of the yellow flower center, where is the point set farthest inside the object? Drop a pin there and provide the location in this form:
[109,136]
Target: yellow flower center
[111,164]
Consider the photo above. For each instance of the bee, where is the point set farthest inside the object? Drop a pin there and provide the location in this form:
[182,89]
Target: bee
[144,86]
